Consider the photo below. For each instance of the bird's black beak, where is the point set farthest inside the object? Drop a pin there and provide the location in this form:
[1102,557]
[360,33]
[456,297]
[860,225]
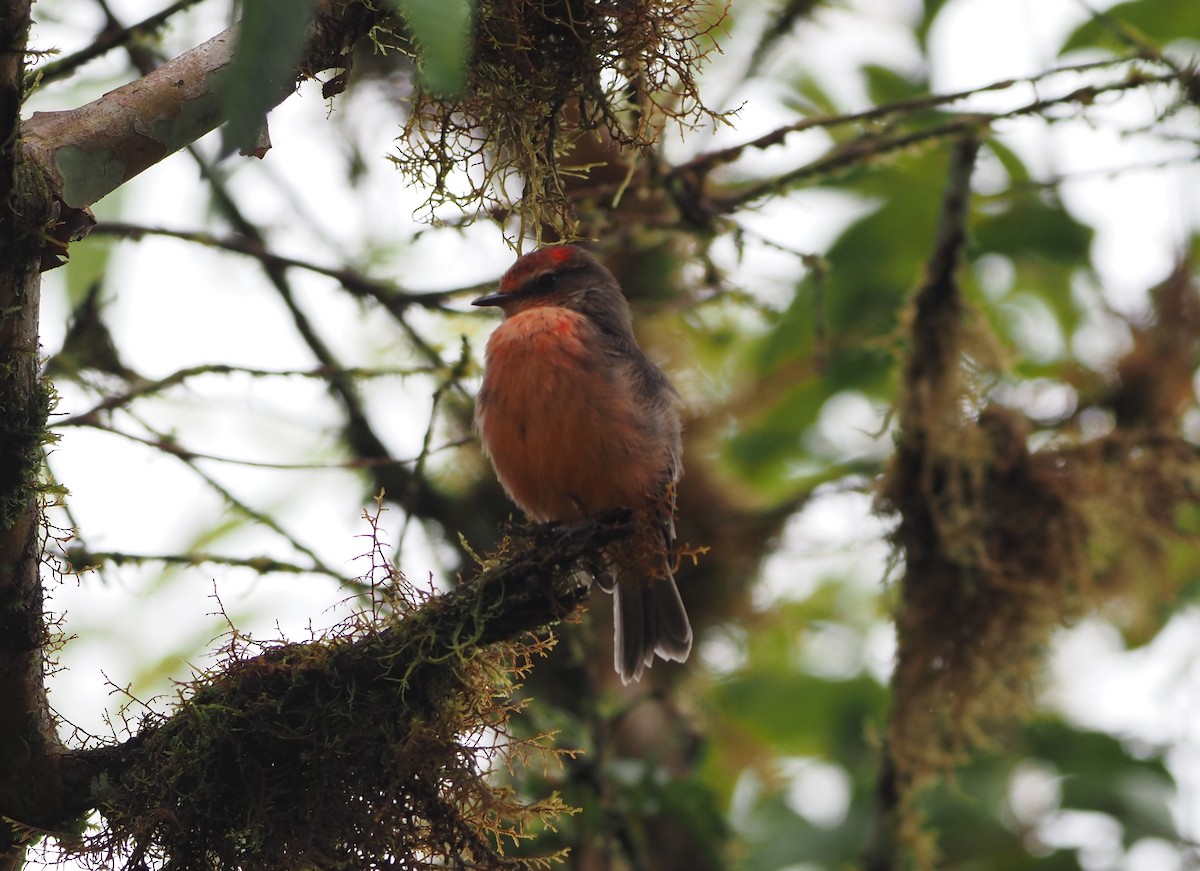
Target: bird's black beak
[491,299]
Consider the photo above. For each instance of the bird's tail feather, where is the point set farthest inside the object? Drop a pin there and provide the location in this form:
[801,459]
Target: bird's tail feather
[649,619]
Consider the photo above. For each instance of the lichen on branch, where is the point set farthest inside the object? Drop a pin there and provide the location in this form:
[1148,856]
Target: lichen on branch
[1002,543]
[542,75]
[366,747]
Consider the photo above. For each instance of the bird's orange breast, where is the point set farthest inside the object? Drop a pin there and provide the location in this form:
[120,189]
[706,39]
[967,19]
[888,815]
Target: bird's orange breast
[561,421]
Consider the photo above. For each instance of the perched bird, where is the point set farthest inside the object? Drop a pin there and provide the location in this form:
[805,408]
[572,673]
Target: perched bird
[577,420]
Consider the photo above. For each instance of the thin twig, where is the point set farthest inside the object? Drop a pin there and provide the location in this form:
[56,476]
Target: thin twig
[112,36]
[165,444]
[262,565]
[172,446]
[357,430]
[392,297]
[149,388]
[712,159]
[452,379]
[689,179]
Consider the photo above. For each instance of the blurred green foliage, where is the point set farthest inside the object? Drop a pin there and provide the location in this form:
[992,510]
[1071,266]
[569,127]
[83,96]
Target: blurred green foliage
[269,46]
[841,331]
[1138,23]
[767,708]
[441,30]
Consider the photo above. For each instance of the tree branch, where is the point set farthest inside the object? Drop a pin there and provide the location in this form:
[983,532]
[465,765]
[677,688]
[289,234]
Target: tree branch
[929,420]
[383,678]
[140,388]
[112,36]
[689,183]
[51,168]
[412,489]
[27,736]
[88,152]
[415,494]
[394,299]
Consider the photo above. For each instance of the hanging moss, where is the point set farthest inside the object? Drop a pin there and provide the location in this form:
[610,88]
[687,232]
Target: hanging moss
[543,74]
[1003,544]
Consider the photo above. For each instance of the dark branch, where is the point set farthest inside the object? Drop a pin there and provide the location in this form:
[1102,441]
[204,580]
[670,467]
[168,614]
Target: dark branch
[689,182]
[931,373]
[94,415]
[931,407]
[394,299]
[112,36]
[27,736]
[533,588]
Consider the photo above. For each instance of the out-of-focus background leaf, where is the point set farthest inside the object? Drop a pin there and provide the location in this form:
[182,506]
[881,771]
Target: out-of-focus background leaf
[783,325]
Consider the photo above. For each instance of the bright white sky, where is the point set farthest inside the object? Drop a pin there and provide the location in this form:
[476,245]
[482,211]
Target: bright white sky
[175,299]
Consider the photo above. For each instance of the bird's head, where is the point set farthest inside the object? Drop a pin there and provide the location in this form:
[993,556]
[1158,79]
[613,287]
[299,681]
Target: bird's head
[565,276]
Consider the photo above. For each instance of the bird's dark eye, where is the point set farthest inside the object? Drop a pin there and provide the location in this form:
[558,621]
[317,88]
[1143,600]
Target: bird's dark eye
[545,282]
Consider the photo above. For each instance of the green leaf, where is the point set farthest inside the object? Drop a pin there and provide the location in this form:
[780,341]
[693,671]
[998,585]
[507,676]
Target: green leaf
[1047,247]
[1031,228]
[1100,774]
[778,837]
[269,47]
[799,715]
[885,85]
[87,267]
[809,97]
[928,16]
[1018,172]
[441,29]
[1156,22]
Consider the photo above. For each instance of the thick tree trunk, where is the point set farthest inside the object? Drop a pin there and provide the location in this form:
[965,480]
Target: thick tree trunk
[42,199]
[27,738]
[28,744]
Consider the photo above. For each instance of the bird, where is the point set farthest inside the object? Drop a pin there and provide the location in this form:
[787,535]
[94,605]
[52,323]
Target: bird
[576,420]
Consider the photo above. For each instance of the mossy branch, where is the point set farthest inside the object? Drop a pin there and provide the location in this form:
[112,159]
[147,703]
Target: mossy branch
[929,480]
[362,744]
[1002,543]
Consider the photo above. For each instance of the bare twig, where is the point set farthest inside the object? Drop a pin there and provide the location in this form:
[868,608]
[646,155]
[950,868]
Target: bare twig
[393,298]
[712,159]
[112,36]
[92,416]
[89,559]
[689,180]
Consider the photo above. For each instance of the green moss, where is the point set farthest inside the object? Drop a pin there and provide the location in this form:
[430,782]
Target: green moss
[23,416]
[368,747]
[543,75]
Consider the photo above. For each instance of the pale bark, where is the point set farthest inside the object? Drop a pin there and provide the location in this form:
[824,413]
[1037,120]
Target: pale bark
[92,150]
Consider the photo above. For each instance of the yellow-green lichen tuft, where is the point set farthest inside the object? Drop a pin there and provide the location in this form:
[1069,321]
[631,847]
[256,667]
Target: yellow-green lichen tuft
[542,75]
[367,747]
